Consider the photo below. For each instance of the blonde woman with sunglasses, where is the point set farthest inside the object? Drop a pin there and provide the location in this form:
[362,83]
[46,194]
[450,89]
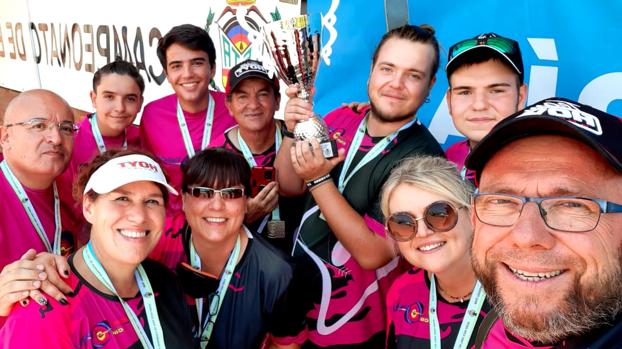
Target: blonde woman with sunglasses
[438,303]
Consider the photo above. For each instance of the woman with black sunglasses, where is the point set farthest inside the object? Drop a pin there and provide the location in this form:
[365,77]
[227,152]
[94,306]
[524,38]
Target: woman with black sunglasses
[439,303]
[237,280]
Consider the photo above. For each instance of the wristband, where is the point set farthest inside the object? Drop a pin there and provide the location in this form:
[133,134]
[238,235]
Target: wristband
[315,182]
[287,133]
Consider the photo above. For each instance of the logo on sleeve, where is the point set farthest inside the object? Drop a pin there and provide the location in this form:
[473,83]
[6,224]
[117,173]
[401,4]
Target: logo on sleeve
[566,111]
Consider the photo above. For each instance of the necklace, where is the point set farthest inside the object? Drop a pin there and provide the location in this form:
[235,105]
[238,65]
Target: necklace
[461,298]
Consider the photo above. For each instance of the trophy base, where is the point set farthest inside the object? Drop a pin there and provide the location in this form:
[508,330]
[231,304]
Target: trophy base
[329,149]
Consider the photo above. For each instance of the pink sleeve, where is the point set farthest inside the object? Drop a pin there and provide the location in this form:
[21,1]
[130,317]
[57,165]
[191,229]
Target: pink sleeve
[35,326]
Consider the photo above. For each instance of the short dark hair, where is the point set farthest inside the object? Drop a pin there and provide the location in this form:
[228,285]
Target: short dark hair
[86,171]
[189,36]
[480,56]
[119,67]
[423,34]
[216,168]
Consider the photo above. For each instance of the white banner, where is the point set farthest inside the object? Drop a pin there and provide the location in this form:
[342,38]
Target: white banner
[58,45]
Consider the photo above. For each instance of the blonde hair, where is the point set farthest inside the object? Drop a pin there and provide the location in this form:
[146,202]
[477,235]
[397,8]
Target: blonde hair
[435,174]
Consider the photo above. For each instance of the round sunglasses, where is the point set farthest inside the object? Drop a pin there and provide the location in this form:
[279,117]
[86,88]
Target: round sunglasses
[439,216]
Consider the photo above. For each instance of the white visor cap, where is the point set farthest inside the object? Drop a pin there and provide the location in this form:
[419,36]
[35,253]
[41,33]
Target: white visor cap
[126,169]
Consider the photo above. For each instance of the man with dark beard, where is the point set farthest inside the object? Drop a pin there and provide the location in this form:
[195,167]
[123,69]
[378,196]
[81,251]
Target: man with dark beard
[548,227]
[343,256]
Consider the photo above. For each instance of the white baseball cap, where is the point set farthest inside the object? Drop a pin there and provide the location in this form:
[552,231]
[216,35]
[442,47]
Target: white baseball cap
[126,169]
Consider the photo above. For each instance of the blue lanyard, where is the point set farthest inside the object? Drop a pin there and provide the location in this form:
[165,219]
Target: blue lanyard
[153,320]
[468,322]
[207,129]
[219,296]
[373,152]
[248,155]
[99,140]
[32,214]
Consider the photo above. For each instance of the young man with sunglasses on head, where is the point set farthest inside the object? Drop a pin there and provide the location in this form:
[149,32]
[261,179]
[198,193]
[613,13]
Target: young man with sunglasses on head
[486,84]
[36,135]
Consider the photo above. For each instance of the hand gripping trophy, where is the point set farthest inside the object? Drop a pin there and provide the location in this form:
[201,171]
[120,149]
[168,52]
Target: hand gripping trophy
[296,53]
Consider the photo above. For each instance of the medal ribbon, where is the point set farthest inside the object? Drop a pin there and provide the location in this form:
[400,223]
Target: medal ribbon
[468,322]
[217,297]
[99,140]
[373,152]
[153,320]
[30,210]
[207,129]
[248,155]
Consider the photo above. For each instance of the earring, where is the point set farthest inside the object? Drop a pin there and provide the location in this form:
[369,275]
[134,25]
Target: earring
[427,100]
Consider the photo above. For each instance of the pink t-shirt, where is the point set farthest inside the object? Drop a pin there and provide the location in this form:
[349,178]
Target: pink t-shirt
[161,135]
[17,234]
[457,154]
[85,149]
[96,320]
[408,316]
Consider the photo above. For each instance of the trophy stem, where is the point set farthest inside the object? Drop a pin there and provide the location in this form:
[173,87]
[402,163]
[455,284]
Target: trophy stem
[303,94]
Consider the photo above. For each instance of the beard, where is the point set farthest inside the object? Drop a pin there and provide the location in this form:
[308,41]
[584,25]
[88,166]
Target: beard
[384,117]
[585,306]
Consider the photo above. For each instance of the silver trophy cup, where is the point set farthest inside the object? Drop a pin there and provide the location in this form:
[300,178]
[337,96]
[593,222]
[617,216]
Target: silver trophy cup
[296,53]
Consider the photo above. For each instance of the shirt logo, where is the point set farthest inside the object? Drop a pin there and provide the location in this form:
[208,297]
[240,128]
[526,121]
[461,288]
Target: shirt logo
[566,111]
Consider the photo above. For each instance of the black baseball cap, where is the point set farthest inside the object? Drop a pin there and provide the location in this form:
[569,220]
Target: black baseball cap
[249,69]
[554,116]
[507,49]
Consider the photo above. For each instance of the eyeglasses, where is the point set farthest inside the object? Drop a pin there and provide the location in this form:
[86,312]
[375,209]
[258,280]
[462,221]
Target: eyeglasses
[209,193]
[439,216]
[66,128]
[563,213]
[501,44]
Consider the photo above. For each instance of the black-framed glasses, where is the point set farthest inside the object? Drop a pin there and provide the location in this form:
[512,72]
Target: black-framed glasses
[66,128]
[563,213]
[499,43]
[439,216]
[209,193]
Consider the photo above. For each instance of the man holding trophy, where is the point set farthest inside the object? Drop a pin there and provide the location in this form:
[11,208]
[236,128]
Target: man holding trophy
[343,259]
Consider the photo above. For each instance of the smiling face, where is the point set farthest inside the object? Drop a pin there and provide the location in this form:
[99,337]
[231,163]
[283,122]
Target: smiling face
[117,101]
[36,157]
[433,251]
[550,284]
[127,222]
[189,73]
[214,220]
[400,79]
[253,104]
[481,95]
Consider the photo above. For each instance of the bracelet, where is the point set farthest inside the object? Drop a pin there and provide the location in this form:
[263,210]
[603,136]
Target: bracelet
[287,133]
[315,182]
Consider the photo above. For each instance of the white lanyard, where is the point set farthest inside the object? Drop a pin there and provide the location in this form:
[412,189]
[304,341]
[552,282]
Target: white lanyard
[207,129]
[32,214]
[373,152]
[248,155]
[468,322]
[153,320]
[217,297]
[99,140]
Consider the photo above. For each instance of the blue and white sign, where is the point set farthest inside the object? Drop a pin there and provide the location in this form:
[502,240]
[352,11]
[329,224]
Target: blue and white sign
[570,49]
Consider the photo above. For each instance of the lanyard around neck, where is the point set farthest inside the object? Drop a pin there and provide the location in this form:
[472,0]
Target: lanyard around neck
[32,214]
[373,152]
[207,129]
[248,155]
[99,139]
[468,322]
[153,320]
[217,298]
